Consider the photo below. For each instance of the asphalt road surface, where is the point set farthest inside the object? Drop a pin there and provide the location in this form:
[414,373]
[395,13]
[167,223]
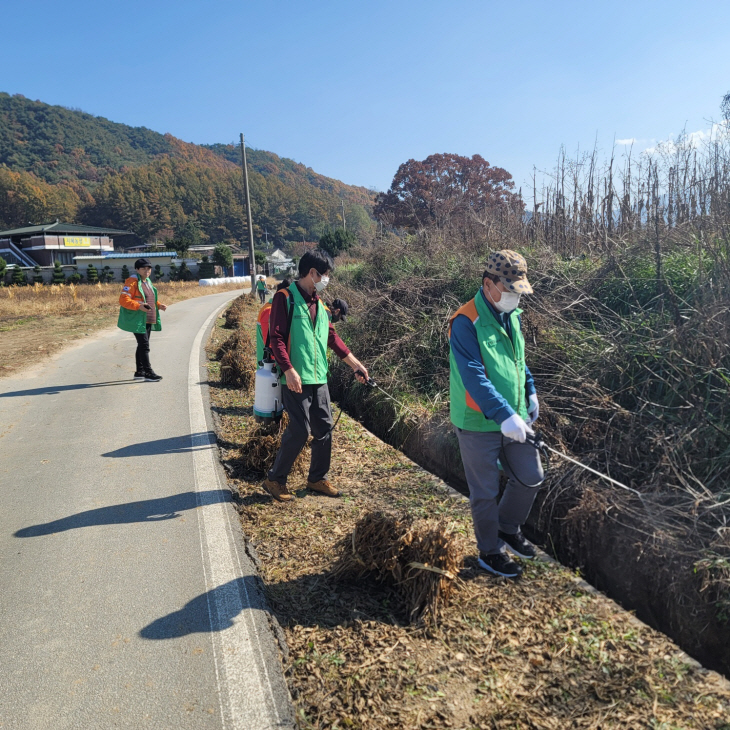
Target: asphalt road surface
[126,596]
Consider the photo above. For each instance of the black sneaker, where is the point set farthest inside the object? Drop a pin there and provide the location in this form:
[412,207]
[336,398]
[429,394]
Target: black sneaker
[518,545]
[500,564]
[139,375]
[152,376]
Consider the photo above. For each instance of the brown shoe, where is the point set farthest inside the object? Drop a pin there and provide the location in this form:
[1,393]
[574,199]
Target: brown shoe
[323,487]
[276,490]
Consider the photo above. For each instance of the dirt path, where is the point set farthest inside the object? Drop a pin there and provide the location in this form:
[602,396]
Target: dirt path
[539,653]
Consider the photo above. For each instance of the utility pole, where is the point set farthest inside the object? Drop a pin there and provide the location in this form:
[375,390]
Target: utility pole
[251,258]
[344,224]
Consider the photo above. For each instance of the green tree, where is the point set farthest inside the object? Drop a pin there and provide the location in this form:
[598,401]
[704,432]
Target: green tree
[260,258]
[186,236]
[337,242]
[222,255]
[37,276]
[125,272]
[107,275]
[184,274]
[173,272]
[205,269]
[19,277]
[75,278]
[157,273]
[92,275]
[58,276]
[3,269]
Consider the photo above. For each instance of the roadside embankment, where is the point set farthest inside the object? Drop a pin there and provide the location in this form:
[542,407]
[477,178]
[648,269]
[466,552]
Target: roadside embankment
[624,387]
[631,549]
[540,653]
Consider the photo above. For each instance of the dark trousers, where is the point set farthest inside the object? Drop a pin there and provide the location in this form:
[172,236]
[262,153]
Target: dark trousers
[309,412]
[262,295]
[480,453]
[142,355]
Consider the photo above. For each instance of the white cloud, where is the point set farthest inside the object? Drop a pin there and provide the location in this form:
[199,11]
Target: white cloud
[627,142]
[691,140]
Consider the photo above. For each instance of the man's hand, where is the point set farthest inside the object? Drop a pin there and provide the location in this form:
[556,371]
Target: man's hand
[533,409]
[356,365]
[516,429]
[161,307]
[293,381]
[146,307]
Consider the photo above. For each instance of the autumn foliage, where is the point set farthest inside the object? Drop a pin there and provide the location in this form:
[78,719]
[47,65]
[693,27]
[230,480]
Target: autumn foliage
[443,188]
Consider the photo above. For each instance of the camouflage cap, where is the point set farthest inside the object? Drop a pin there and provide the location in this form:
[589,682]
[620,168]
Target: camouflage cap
[511,268]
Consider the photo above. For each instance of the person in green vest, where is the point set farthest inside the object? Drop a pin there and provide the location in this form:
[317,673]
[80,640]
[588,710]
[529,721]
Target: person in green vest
[493,404]
[139,313]
[261,289]
[300,332]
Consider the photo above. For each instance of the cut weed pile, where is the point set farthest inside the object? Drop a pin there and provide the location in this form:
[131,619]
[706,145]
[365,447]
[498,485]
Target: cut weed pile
[539,653]
[36,321]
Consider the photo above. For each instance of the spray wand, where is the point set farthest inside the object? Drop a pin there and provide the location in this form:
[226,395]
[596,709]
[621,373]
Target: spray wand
[535,441]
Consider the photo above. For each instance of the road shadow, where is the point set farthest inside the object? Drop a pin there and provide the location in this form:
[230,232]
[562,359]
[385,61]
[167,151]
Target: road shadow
[324,599]
[214,610]
[172,445]
[56,389]
[147,510]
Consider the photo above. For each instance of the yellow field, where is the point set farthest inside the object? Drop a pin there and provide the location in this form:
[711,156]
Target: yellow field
[39,299]
[38,320]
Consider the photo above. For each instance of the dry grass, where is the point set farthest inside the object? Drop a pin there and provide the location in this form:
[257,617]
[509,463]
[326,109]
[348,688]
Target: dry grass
[538,653]
[259,445]
[421,558]
[36,321]
[42,300]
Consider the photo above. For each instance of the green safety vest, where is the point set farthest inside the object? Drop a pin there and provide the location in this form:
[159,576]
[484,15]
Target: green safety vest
[135,320]
[308,340]
[504,363]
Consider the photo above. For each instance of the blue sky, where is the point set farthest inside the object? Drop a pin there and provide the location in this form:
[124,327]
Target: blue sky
[353,89]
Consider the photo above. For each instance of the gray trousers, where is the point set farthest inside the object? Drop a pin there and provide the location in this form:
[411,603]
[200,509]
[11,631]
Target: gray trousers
[309,412]
[479,454]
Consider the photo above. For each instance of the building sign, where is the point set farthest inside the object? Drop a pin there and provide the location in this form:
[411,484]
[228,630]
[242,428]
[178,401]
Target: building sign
[76,241]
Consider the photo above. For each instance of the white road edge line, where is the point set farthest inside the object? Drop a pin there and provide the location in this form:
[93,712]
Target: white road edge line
[244,686]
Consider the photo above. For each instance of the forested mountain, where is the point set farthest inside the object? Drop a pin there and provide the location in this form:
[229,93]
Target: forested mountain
[63,163]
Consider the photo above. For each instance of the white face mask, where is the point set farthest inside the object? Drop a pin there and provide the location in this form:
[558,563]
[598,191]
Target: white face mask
[508,302]
[322,283]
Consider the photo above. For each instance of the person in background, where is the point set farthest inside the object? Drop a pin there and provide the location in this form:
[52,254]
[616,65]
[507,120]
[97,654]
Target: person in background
[261,288]
[300,333]
[139,313]
[262,323]
[493,404]
[338,310]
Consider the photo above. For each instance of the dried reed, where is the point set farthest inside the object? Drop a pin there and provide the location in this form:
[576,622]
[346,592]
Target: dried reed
[261,444]
[420,558]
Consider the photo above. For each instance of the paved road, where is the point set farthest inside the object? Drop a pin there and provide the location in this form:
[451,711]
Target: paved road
[126,597]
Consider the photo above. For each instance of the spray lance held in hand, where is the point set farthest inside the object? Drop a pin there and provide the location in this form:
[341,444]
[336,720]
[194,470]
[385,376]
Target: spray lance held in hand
[535,441]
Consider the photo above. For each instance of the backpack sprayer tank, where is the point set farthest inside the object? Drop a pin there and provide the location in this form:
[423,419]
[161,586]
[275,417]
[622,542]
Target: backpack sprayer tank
[267,405]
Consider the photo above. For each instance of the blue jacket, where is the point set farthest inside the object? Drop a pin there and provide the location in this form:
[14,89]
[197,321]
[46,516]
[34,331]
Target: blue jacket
[465,346]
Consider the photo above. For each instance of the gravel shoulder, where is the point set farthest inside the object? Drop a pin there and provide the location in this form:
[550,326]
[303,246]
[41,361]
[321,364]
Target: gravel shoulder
[543,652]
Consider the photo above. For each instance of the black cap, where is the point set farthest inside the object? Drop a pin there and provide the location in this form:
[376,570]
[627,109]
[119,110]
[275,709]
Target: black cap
[340,304]
[139,263]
